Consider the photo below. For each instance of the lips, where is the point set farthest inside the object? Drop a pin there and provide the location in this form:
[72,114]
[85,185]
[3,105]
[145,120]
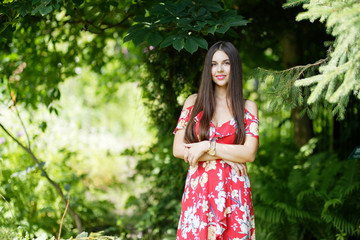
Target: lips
[220,77]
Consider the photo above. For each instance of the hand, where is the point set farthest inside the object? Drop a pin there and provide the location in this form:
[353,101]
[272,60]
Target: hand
[186,154]
[195,151]
[238,167]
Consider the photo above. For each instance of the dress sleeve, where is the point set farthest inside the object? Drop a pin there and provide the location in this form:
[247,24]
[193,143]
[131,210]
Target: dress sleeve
[251,125]
[183,119]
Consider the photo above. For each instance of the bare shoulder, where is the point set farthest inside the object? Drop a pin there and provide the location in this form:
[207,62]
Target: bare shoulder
[251,107]
[190,101]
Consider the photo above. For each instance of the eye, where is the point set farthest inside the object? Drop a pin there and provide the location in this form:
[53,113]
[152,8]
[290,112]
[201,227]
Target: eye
[227,63]
[213,64]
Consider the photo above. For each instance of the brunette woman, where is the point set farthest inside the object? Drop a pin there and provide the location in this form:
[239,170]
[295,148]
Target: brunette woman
[217,134]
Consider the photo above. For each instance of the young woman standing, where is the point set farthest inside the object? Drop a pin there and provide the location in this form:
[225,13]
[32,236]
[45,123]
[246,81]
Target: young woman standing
[217,134]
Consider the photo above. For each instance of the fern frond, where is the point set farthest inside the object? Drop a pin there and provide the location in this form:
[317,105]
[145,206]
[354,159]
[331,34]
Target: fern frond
[296,213]
[339,222]
[271,214]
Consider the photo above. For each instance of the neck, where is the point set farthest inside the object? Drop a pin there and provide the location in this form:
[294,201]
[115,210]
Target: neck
[220,92]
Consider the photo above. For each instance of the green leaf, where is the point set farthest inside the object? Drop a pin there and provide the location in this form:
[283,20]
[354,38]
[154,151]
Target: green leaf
[178,44]
[184,21]
[158,9]
[201,12]
[190,45]
[223,28]
[55,93]
[43,126]
[25,9]
[167,19]
[56,6]
[238,21]
[201,42]
[168,41]
[213,7]
[155,38]
[212,29]
[36,10]
[137,36]
[82,235]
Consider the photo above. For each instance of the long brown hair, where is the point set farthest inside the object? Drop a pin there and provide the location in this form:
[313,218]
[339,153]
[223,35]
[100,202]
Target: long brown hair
[205,100]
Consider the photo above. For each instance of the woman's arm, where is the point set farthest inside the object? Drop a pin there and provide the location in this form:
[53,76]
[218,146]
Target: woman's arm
[231,152]
[179,149]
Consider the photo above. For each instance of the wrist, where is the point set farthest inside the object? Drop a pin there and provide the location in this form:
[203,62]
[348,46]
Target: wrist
[212,148]
[206,146]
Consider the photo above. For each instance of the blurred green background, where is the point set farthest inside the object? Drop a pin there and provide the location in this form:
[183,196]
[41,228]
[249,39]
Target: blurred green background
[91,91]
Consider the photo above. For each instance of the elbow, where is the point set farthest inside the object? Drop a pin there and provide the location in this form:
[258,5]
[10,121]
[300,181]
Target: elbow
[177,153]
[252,157]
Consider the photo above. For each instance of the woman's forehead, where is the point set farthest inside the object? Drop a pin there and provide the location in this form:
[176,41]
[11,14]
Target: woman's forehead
[219,55]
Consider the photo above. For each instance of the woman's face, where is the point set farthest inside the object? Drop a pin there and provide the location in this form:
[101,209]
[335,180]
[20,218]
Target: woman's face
[220,68]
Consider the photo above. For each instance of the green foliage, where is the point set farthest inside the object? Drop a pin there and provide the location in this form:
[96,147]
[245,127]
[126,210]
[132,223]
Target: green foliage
[35,205]
[182,24]
[168,82]
[313,196]
[339,77]
[306,195]
[284,94]
[75,156]
[39,52]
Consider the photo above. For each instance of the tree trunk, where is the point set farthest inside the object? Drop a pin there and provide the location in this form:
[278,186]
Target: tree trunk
[292,54]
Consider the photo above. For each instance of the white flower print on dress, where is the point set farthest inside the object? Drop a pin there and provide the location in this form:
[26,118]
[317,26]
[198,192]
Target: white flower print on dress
[254,128]
[182,124]
[203,179]
[220,201]
[205,205]
[192,169]
[227,211]
[209,165]
[235,194]
[211,233]
[246,181]
[220,175]
[219,229]
[194,182]
[186,194]
[195,223]
[184,113]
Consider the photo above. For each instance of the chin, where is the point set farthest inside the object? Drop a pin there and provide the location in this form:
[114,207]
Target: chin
[221,84]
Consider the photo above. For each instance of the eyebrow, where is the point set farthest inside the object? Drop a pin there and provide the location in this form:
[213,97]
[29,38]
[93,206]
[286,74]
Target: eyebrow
[223,60]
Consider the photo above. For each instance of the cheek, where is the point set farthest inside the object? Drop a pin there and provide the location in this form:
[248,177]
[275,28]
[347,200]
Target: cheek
[227,68]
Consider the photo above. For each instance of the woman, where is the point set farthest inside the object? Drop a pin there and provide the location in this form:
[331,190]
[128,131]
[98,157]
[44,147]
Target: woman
[217,134]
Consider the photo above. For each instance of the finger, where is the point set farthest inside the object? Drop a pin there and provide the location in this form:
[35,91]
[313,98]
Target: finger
[235,167]
[191,160]
[186,155]
[243,169]
[238,170]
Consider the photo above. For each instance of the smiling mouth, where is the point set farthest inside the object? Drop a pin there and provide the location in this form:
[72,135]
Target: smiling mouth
[220,77]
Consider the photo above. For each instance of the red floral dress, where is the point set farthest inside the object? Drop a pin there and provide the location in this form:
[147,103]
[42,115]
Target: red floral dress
[216,204]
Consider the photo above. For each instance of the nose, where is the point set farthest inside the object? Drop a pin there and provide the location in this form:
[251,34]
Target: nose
[219,68]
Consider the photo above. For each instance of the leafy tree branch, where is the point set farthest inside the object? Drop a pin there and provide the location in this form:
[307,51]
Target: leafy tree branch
[40,165]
